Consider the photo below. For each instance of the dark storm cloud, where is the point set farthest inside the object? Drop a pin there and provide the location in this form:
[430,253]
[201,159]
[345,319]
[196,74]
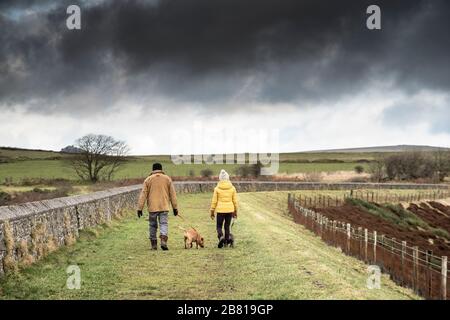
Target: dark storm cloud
[209,51]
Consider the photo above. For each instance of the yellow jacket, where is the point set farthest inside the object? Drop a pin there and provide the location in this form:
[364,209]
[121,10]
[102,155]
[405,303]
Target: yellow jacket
[224,199]
[159,193]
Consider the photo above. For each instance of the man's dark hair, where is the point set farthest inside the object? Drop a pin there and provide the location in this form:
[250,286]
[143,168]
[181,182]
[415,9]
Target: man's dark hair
[157,166]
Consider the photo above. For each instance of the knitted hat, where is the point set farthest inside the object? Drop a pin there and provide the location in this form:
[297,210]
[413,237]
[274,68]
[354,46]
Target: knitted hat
[223,175]
[157,166]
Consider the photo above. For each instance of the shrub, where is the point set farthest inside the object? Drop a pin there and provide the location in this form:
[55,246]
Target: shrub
[39,190]
[191,173]
[377,170]
[253,170]
[5,198]
[243,171]
[8,181]
[206,173]
[410,165]
[359,169]
[327,161]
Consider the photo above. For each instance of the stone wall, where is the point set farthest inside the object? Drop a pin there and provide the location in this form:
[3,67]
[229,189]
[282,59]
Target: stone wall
[255,186]
[32,230]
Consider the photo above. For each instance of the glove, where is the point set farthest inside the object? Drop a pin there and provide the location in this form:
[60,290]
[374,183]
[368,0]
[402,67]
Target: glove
[139,213]
[175,212]
[212,214]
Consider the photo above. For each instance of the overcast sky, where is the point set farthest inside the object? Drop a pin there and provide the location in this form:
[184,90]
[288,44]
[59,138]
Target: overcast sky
[188,76]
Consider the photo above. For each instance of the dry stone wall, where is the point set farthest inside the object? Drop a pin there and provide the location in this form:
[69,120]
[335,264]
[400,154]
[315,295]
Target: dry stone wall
[30,231]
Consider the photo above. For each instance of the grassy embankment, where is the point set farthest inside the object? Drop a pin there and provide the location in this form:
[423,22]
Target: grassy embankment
[274,258]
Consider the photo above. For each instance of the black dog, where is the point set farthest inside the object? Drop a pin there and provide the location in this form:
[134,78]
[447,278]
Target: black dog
[230,241]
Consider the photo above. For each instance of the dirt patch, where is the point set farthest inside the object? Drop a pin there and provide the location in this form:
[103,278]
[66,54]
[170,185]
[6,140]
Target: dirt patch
[358,217]
[435,214]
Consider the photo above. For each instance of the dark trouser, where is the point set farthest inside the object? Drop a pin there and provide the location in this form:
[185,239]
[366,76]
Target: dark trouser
[221,218]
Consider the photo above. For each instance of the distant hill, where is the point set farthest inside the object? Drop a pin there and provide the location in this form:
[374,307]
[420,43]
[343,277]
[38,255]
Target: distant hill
[399,148]
[8,154]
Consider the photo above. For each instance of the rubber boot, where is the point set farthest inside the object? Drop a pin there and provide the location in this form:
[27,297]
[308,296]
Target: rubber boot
[154,244]
[164,243]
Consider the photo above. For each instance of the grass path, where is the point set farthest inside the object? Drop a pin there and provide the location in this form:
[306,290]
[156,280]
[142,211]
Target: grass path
[274,258]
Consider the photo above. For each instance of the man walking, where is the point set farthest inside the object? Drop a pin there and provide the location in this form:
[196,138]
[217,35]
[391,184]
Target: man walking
[158,191]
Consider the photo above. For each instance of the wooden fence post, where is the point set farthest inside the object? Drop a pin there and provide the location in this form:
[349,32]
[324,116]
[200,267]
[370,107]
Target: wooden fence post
[334,232]
[366,241]
[348,237]
[359,242]
[444,278]
[415,268]
[403,260]
[321,225]
[428,274]
[375,247]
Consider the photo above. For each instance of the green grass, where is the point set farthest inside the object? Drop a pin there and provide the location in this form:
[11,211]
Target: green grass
[51,165]
[141,167]
[48,169]
[274,258]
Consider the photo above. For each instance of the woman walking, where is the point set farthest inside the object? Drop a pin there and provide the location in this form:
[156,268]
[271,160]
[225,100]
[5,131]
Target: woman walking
[224,202]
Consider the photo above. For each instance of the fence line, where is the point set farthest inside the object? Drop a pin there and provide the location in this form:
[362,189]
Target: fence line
[321,200]
[408,266]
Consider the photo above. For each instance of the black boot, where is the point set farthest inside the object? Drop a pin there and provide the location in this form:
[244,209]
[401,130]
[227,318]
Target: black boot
[154,244]
[164,243]
[221,242]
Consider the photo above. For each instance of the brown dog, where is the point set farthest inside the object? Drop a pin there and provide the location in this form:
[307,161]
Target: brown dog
[191,235]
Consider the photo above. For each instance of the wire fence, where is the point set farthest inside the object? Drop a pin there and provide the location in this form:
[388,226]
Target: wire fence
[408,266]
[323,201]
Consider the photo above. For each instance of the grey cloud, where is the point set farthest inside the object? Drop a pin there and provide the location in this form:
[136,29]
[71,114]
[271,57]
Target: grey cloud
[410,113]
[206,51]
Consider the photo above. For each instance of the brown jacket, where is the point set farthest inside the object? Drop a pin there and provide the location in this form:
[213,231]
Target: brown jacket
[158,191]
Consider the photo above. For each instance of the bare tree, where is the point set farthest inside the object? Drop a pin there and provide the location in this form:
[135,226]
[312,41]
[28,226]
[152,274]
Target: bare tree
[100,157]
[413,166]
[441,159]
[377,169]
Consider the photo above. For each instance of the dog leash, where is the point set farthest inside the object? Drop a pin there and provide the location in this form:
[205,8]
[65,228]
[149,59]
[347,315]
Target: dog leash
[184,220]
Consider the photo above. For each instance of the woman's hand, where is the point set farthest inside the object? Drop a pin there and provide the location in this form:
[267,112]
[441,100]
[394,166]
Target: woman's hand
[212,214]
[235,215]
